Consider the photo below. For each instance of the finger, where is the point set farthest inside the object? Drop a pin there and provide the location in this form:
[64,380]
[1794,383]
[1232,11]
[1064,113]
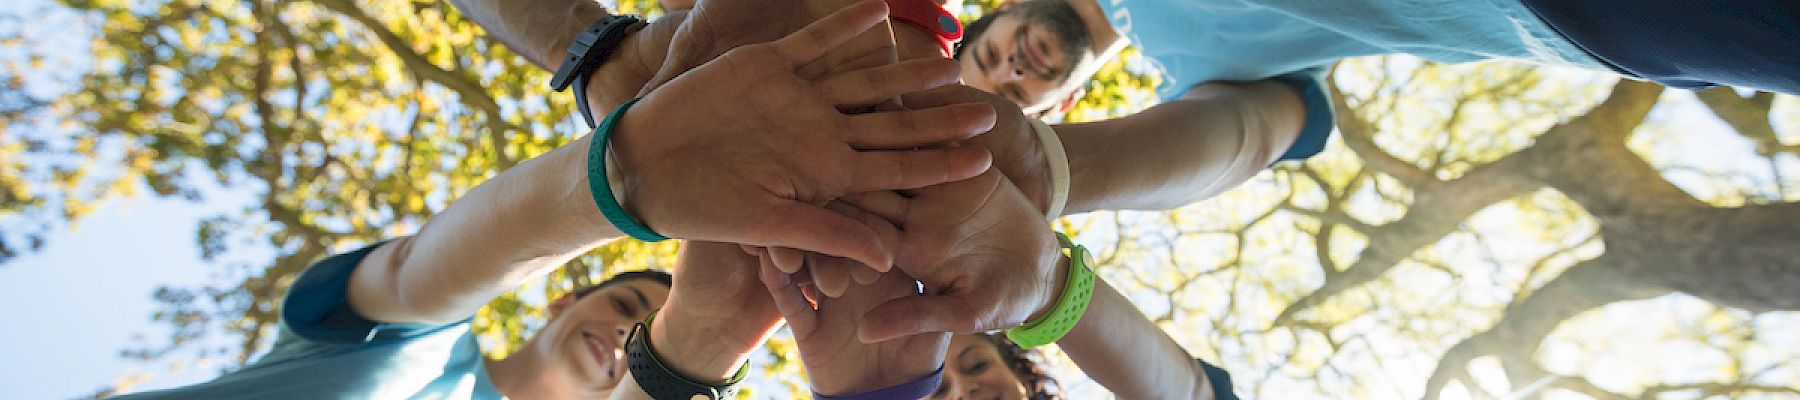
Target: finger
[787,260]
[827,33]
[788,299]
[912,169]
[864,276]
[913,315]
[885,204]
[811,228]
[869,86]
[917,128]
[831,274]
[885,229]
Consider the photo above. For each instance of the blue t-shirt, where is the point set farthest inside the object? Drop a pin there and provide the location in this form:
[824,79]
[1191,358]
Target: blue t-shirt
[326,351]
[1294,41]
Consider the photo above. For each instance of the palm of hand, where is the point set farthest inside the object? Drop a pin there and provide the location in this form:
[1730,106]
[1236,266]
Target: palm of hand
[835,360]
[985,254]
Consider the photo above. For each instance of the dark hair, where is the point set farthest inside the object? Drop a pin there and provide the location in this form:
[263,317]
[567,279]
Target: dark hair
[627,276]
[1039,385]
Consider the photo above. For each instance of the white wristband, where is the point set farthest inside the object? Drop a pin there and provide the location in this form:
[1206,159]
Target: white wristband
[1059,167]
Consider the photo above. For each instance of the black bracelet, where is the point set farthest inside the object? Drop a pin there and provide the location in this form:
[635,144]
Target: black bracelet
[663,384]
[587,52]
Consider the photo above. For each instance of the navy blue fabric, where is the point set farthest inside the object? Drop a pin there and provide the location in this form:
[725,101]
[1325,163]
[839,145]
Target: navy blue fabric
[1221,381]
[1319,123]
[1690,44]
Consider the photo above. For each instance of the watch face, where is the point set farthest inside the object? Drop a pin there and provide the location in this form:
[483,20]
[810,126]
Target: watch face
[1087,258]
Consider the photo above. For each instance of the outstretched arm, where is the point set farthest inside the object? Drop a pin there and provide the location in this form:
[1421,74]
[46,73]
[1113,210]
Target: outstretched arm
[1129,355]
[540,31]
[1214,138]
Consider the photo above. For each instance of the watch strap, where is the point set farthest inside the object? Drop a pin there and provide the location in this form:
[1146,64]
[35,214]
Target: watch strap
[662,383]
[930,16]
[1077,291]
[591,47]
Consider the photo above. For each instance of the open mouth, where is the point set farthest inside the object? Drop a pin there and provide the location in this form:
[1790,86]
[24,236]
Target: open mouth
[603,351]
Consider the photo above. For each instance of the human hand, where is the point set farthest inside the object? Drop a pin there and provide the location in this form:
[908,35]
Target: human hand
[1018,154]
[836,363]
[743,149]
[717,312]
[715,27]
[987,258]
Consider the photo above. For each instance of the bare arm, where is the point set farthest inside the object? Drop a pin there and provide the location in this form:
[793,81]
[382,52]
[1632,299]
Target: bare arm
[540,31]
[522,223]
[1122,350]
[1176,153]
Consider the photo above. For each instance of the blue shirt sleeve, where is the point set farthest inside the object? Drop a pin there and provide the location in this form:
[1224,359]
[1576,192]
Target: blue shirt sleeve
[318,306]
[1221,381]
[1310,85]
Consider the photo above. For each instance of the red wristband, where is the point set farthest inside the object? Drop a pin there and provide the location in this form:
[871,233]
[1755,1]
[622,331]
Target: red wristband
[930,16]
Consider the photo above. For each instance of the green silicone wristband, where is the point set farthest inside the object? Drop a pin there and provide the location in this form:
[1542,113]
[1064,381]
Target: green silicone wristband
[1076,294]
[602,190]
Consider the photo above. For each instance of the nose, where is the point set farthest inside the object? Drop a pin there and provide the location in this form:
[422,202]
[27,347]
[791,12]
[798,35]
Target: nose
[1006,69]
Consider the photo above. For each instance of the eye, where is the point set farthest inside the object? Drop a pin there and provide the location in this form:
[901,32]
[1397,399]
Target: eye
[623,307]
[978,367]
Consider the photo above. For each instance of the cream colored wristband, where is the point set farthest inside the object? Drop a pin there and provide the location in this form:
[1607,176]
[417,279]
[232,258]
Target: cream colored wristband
[1059,167]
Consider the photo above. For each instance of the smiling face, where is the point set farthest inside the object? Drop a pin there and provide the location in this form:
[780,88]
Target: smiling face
[974,369]
[585,337]
[1027,53]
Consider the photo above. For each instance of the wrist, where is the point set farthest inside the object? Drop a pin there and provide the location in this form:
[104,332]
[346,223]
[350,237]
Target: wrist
[709,350]
[1059,280]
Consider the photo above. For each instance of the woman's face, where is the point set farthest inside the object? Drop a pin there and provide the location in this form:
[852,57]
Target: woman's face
[973,369]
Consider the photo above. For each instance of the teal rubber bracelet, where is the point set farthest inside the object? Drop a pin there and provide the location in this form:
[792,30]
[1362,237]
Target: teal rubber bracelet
[602,190]
[1077,292]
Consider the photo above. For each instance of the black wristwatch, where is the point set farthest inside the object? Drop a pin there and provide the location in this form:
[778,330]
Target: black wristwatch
[662,383]
[587,52]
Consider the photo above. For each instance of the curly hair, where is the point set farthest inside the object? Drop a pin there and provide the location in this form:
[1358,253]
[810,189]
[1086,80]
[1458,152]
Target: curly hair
[1026,364]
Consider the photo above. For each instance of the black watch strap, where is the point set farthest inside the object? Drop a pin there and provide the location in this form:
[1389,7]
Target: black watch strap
[586,53]
[592,47]
[659,381]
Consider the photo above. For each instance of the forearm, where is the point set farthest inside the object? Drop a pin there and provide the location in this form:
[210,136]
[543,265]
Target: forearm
[1180,152]
[1129,355]
[525,221]
[540,31]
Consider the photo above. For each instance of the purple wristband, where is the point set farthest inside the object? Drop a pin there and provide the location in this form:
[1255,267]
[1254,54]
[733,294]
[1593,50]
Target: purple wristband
[911,390]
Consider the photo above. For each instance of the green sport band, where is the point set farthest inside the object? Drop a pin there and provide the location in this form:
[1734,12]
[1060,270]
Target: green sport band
[1076,294]
[602,189]
[662,383]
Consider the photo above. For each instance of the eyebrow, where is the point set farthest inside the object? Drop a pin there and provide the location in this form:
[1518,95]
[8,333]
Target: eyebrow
[964,352]
[645,301]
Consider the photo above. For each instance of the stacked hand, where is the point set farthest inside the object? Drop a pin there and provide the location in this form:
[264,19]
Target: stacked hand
[769,159]
[765,145]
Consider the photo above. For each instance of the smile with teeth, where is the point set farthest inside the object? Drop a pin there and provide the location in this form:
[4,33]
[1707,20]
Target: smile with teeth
[602,350]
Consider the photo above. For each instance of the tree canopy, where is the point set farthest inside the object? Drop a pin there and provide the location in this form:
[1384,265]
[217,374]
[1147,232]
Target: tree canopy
[1473,231]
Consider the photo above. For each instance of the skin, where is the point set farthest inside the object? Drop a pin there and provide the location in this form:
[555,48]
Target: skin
[582,345]
[1219,134]
[539,214]
[1023,61]
[974,369]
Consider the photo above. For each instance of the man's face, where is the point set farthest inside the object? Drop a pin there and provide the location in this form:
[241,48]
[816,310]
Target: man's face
[586,337]
[1021,59]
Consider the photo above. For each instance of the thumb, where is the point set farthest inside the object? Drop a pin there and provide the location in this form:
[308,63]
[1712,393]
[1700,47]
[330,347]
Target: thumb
[812,228]
[914,315]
